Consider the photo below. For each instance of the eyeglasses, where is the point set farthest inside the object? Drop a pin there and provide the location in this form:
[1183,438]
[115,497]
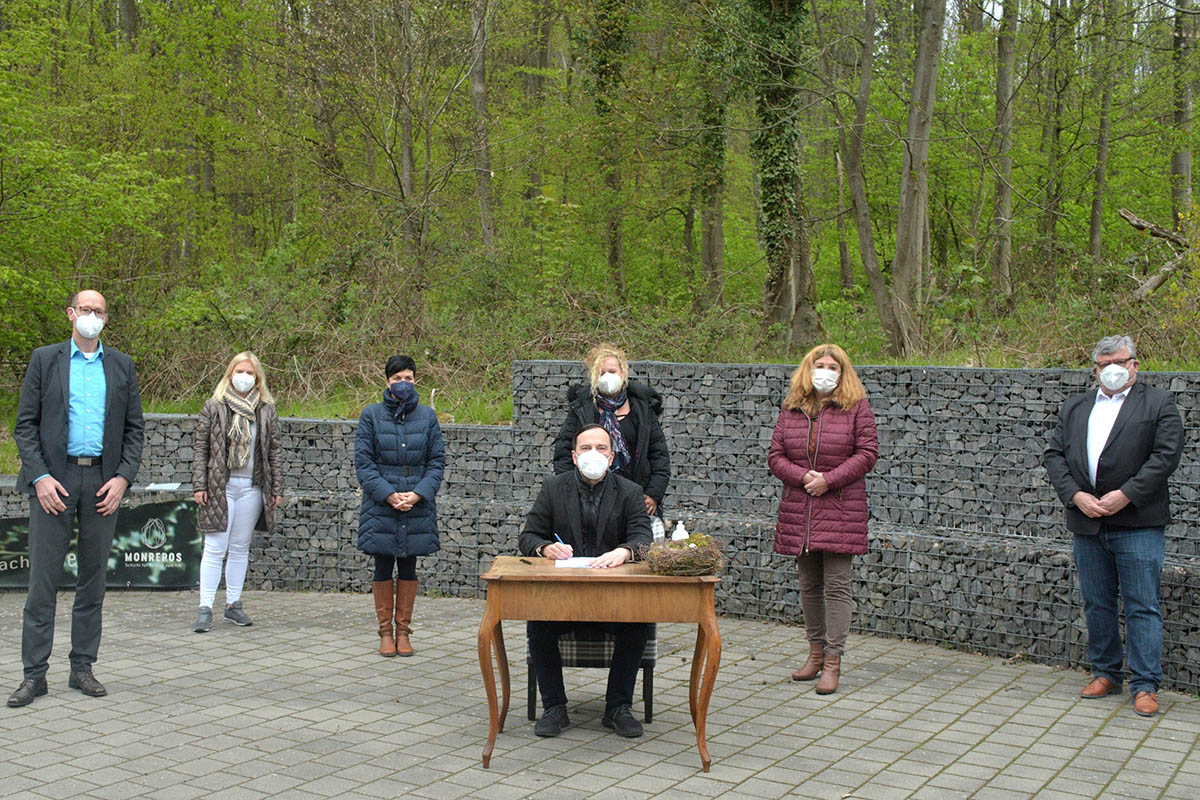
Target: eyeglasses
[83,311]
[1120,362]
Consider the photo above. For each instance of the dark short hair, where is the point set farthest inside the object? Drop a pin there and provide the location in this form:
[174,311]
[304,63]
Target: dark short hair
[592,427]
[399,364]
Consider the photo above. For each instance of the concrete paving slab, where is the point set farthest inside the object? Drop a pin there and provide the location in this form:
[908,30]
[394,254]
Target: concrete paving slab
[299,705]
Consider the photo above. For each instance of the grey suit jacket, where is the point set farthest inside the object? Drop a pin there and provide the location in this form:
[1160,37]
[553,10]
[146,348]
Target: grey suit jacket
[44,408]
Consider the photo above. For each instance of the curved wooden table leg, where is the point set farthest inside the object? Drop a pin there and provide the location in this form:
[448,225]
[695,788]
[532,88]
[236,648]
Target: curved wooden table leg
[502,662]
[697,667]
[712,661]
[487,634]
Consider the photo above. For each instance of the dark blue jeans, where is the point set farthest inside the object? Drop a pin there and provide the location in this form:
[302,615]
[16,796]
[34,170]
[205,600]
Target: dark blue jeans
[1125,562]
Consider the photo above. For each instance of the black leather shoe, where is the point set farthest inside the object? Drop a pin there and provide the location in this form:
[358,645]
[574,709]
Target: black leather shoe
[621,720]
[29,689]
[86,682]
[553,722]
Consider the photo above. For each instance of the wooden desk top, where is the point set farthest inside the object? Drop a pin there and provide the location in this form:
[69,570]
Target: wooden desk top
[533,569]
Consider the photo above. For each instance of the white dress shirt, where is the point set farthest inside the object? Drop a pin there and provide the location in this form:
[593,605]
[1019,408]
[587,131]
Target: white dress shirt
[1100,425]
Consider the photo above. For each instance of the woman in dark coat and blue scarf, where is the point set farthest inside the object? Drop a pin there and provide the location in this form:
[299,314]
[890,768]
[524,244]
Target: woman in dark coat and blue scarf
[629,411]
[399,458]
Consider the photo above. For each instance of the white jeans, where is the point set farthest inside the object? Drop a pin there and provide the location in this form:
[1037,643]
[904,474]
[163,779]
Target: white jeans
[245,503]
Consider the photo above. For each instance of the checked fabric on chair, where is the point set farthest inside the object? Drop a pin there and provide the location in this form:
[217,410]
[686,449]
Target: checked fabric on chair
[586,649]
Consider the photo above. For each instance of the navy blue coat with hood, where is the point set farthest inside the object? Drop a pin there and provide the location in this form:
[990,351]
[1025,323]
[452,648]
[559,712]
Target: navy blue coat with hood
[398,451]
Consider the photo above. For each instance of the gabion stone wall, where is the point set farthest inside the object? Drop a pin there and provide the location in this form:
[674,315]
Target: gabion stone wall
[960,448]
[967,549]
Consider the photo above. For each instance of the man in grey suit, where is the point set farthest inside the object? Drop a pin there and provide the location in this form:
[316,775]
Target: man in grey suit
[79,433]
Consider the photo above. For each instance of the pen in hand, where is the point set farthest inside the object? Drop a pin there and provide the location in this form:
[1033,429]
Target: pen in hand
[569,550]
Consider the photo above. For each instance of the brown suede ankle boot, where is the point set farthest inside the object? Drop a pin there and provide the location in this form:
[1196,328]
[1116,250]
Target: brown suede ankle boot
[830,670]
[406,595]
[812,667]
[384,607]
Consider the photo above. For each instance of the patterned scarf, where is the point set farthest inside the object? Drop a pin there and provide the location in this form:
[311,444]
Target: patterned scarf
[607,406]
[243,409]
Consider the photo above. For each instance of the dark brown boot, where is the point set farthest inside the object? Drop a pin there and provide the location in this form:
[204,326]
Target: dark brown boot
[830,670]
[812,667]
[406,595]
[384,606]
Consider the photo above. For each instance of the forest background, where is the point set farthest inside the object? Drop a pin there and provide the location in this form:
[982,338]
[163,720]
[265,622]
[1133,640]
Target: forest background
[328,182]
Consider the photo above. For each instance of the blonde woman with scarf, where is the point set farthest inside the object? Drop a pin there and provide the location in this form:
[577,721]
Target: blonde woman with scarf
[237,480]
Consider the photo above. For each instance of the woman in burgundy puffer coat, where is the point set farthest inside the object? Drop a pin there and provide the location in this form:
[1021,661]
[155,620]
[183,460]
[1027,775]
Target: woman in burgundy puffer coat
[823,446]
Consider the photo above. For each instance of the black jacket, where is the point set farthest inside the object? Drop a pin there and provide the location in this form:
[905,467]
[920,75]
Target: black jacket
[650,462]
[620,520]
[43,413]
[1141,453]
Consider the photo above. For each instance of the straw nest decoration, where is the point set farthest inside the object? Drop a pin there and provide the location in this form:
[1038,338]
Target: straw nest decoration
[698,554]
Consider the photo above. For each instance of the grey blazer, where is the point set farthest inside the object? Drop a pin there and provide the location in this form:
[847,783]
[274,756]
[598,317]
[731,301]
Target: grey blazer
[43,416]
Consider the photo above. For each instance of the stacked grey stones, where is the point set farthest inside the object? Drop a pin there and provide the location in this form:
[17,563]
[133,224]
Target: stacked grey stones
[968,547]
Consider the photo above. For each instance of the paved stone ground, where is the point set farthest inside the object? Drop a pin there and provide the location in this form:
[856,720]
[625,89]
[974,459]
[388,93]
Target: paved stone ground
[299,706]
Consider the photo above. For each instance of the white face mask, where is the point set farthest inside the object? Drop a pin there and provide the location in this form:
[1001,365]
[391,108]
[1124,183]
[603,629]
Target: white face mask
[609,383]
[592,464]
[1113,377]
[88,325]
[243,381]
[825,380]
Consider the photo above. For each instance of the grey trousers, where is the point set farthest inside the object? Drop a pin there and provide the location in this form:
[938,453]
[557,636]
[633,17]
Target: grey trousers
[825,598]
[49,539]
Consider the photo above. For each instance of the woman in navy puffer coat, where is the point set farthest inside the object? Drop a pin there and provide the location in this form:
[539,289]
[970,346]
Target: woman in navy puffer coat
[399,458]
[823,446]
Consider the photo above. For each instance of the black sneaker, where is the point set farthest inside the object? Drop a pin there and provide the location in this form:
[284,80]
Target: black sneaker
[553,722]
[621,720]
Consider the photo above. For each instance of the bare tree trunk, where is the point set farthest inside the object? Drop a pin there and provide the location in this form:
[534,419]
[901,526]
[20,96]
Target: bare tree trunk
[1100,173]
[851,143]
[483,161]
[1181,158]
[912,251]
[712,192]
[806,328]
[1057,79]
[845,267]
[539,60]
[408,168]
[1005,67]
[130,19]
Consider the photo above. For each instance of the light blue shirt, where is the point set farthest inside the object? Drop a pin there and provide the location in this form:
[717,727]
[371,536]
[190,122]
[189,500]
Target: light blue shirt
[85,429]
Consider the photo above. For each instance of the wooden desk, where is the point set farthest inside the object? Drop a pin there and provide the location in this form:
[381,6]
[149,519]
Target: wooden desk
[534,589]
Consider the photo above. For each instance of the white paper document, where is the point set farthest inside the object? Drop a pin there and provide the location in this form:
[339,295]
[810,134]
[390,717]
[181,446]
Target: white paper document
[575,562]
[162,487]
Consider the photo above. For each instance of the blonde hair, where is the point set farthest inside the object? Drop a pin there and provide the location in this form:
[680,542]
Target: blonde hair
[802,396]
[598,355]
[264,394]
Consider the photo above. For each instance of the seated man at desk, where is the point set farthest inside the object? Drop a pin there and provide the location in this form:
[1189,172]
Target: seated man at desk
[588,512]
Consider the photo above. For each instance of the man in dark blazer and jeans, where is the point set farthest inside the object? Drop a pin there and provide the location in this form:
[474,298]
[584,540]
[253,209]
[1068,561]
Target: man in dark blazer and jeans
[79,434]
[588,512]
[1109,460]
